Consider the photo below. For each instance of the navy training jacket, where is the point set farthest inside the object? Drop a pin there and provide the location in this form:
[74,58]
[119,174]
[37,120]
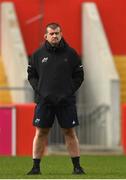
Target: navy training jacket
[55,73]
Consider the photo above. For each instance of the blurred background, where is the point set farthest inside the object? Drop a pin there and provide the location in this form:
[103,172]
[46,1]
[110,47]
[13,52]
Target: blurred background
[96,29]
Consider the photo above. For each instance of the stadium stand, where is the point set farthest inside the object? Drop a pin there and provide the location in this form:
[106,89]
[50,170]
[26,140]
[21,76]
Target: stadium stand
[102,83]
[120,62]
[13,52]
[5,96]
[98,109]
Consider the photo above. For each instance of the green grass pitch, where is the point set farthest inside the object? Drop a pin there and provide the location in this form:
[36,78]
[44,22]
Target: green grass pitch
[60,167]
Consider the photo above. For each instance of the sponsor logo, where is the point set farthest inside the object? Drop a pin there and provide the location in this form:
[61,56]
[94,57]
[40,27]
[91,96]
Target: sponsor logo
[73,122]
[81,66]
[37,121]
[45,59]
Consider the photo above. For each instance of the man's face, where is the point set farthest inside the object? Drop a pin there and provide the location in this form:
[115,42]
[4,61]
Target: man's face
[53,36]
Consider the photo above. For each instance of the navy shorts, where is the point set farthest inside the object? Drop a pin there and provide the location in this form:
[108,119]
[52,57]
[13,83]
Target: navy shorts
[45,114]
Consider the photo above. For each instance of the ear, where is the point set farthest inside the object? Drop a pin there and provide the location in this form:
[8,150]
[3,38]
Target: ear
[45,36]
[61,34]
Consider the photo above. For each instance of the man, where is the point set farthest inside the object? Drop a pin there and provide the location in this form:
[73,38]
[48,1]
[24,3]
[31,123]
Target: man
[55,72]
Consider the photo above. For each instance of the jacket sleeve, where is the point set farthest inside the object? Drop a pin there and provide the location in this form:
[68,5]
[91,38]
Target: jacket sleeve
[32,74]
[78,73]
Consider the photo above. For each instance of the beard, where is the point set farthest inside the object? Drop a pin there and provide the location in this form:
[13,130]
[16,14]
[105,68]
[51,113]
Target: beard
[55,43]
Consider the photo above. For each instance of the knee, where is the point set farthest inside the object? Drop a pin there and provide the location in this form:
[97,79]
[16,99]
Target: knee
[40,133]
[69,133]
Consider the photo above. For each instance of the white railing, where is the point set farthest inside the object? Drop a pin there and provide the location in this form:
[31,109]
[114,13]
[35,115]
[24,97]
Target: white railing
[26,90]
[91,129]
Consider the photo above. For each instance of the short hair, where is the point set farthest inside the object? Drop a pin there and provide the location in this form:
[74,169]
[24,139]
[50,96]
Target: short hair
[53,26]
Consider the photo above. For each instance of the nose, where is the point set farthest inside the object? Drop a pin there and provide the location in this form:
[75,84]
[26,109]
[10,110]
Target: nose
[54,35]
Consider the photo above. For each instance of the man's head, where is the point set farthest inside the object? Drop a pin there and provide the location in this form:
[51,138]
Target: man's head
[53,33]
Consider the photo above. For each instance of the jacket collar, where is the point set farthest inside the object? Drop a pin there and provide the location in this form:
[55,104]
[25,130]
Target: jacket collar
[62,45]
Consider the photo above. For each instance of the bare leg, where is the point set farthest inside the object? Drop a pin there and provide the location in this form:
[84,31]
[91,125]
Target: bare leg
[71,142]
[74,150]
[39,142]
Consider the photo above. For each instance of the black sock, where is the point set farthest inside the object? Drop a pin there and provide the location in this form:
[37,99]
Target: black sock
[36,163]
[76,161]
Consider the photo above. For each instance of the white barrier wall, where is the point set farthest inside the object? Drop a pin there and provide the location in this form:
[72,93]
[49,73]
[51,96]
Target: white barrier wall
[101,85]
[13,51]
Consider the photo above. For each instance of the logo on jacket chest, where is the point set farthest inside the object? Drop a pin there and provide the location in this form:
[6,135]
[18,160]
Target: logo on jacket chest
[44,60]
